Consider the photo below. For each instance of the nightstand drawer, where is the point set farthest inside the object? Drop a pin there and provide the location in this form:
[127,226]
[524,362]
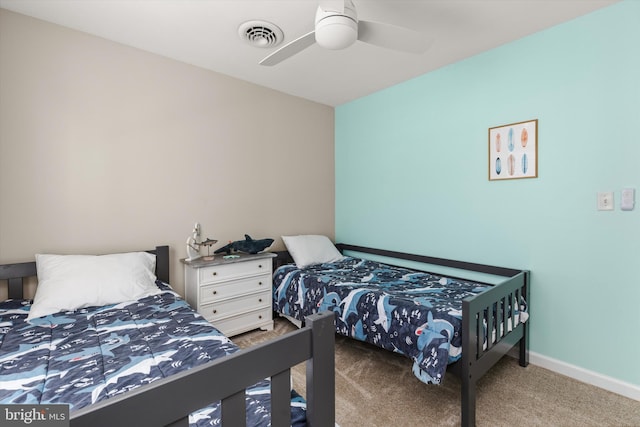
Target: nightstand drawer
[242,322]
[226,308]
[222,272]
[222,291]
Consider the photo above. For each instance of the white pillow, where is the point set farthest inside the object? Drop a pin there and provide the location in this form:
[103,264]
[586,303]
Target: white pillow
[69,282]
[311,249]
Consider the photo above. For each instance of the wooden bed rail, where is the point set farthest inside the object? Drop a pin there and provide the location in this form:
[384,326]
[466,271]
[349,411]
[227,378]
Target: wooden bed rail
[169,401]
[463,265]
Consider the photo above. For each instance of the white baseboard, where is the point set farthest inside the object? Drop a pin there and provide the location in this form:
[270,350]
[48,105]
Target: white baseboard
[613,385]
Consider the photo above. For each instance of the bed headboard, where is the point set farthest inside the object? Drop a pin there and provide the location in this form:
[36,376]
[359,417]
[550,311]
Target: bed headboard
[282,258]
[15,274]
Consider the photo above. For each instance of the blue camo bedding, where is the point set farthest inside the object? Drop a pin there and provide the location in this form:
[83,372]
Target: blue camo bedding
[88,355]
[413,313]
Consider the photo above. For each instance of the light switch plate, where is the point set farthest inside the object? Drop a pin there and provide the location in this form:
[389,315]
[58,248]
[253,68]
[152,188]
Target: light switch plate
[605,201]
[628,199]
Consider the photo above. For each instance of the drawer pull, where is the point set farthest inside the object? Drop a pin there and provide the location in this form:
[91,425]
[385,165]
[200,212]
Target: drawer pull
[215,273]
[215,311]
[259,265]
[260,316]
[259,283]
[215,292]
[259,299]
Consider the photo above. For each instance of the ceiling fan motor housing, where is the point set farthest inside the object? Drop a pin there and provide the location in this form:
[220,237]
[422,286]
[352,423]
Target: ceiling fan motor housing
[335,30]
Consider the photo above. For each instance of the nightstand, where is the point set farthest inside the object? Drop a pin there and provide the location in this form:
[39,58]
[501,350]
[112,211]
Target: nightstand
[233,294]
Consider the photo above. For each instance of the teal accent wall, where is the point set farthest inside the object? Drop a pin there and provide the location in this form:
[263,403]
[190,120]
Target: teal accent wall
[412,175]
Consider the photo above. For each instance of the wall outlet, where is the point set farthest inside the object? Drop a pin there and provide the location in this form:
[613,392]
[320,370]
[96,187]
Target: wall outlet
[605,201]
[628,199]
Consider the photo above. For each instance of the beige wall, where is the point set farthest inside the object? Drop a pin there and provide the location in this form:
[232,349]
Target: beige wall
[108,148]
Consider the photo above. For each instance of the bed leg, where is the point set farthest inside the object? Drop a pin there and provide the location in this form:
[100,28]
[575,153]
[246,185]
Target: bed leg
[468,399]
[524,347]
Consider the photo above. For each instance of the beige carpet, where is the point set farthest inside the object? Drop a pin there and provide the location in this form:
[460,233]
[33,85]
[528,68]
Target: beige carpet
[376,388]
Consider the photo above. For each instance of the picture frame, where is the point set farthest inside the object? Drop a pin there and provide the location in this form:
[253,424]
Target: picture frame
[513,151]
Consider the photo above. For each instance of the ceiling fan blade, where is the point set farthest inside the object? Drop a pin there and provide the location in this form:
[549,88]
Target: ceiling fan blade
[392,37]
[290,49]
[332,5]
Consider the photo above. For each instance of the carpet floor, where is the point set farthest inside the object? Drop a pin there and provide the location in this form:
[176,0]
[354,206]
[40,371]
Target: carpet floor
[376,388]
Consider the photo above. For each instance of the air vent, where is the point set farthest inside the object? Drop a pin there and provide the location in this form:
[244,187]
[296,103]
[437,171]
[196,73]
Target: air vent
[261,33]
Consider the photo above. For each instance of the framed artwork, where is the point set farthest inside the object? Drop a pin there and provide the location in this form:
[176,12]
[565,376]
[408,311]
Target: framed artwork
[513,151]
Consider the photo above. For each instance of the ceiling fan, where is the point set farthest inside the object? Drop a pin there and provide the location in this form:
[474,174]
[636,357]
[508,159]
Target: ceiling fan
[337,27]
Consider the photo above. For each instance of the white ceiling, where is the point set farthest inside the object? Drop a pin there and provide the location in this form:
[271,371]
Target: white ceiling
[205,33]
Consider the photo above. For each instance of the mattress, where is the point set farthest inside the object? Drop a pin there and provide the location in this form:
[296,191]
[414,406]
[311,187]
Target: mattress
[414,313]
[88,355]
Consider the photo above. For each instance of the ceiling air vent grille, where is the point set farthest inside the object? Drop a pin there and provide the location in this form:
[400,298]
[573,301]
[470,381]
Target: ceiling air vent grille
[261,33]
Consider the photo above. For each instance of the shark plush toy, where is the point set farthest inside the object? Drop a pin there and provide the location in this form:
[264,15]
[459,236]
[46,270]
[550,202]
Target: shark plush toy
[247,245]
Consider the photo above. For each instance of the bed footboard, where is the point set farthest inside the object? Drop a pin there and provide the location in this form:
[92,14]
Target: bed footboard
[169,401]
[491,315]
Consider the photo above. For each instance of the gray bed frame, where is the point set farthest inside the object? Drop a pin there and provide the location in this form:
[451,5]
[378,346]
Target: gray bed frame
[489,307]
[169,401]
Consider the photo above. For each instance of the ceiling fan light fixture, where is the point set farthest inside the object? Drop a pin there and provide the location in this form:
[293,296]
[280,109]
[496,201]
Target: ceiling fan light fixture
[336,32]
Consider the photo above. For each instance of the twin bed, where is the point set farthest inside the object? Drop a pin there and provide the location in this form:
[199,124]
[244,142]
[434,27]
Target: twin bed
[152,360]
[148,359]
[430,318]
